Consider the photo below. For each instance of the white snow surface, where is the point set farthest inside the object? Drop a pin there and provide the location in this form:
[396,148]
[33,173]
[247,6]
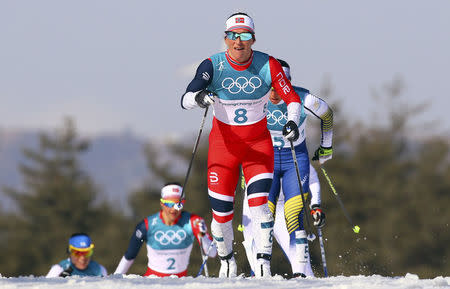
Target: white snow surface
[410,281]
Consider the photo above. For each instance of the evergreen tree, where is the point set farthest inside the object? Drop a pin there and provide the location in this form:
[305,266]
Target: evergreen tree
[395,185]
[57,199]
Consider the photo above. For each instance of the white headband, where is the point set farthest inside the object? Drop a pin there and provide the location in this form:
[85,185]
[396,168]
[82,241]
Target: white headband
[171,192]
[240,21]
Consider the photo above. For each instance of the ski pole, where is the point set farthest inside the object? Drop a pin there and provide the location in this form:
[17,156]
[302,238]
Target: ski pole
[311,236]
[204,266]
[355,228]
[179,205]
[204,256]
[322,252]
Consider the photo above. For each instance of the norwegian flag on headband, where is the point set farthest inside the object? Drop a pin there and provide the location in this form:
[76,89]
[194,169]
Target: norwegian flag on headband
[240,22]
[171,191]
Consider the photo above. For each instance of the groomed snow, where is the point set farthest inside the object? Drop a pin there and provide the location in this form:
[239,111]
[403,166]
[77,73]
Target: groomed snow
[409,281]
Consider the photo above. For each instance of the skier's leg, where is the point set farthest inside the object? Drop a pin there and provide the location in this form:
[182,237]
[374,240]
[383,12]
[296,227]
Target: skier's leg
[248,243]
[294,209]
[223,174]
[258,172]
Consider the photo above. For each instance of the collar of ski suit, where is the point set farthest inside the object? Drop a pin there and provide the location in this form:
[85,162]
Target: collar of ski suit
[240,66]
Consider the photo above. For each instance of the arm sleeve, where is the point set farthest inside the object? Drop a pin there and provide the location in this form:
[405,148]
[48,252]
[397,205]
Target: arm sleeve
[319,108]
[202,79]
[207,243]
[136,241]
[284,88]
[123,266]
[314,186]
[55,270]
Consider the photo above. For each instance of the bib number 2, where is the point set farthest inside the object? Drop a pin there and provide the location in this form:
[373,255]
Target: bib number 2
[172,262]
[240,115]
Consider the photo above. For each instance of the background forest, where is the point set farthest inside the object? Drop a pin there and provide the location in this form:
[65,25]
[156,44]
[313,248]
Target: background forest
[393,175]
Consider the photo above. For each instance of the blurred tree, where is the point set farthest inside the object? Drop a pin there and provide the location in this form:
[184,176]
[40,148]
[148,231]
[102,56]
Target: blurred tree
[58,199]
[395,185]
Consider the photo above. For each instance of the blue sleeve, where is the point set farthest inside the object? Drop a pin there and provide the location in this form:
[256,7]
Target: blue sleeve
[203,76]
[138,237]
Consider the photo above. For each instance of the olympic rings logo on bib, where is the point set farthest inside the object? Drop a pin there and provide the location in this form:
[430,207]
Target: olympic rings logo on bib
[170,237]
[276,117]
[241,84]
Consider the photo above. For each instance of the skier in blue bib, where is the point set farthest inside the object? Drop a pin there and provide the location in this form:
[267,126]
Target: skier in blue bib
[80,261]
[285,177]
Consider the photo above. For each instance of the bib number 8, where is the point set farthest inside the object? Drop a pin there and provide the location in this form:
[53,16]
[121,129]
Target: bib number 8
[241,115]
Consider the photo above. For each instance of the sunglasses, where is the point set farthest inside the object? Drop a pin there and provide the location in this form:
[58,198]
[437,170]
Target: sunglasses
[76,253]
[244,36]
[170,204]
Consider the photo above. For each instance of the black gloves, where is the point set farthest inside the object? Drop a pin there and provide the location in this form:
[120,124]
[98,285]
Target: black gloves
[67,272]
[205,98]
[290,131]
[318,216]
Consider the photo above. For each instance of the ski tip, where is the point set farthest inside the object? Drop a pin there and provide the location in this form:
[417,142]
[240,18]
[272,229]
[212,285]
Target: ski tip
[356,229]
